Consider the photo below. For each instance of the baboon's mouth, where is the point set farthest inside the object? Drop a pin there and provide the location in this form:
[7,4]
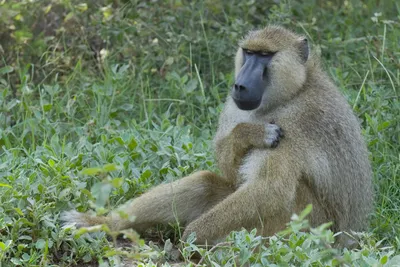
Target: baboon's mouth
[247,104]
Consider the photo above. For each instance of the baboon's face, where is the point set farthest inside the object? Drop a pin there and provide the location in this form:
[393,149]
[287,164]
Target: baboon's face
[270,67]
[252,79]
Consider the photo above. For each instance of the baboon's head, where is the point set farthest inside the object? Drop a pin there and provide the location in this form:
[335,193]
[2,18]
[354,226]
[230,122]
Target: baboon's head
[270,67]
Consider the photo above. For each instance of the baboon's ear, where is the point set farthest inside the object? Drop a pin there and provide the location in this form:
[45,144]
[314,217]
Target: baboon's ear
[304,50]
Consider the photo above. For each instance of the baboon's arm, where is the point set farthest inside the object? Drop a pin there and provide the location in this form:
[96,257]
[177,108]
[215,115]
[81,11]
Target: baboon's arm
[231,149]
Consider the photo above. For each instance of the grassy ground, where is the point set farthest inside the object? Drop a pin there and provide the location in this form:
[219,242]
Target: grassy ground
[101,100]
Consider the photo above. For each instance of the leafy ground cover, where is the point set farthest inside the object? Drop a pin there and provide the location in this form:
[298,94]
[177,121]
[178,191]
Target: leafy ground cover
[101,100]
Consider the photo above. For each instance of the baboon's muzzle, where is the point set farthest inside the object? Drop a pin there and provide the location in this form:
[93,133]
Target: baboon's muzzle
[251,81]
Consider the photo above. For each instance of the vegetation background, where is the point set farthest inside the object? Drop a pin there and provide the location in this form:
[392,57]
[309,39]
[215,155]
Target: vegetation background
[101,100]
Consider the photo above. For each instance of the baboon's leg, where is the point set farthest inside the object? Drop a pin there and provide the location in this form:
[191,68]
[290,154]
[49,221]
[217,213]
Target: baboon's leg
[266,203]
[183,200]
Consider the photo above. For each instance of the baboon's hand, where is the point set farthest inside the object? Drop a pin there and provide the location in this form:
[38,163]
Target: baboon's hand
[74,217]
[247,135]
[273,134]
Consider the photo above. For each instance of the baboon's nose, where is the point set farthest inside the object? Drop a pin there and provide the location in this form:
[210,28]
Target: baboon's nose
[239,88]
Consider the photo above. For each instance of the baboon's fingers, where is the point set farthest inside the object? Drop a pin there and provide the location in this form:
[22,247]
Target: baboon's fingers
[273,134]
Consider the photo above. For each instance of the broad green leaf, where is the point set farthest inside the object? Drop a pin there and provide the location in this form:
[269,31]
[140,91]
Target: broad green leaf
[117,182]
[132,144]
[110,167]
[383,125]
[146,174]
[40,244]
[6,69]
[51,163]
[82,7]
[92,171]
[101,191]
[47,107]
[47,9]
[19,211]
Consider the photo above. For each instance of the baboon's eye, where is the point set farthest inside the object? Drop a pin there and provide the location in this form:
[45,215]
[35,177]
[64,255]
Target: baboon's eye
[267,54]
[247,51]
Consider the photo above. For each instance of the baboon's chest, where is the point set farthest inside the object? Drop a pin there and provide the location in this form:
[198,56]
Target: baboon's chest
[252,166]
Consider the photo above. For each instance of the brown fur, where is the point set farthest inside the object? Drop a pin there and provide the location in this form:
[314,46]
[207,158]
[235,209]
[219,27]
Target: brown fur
[322,159]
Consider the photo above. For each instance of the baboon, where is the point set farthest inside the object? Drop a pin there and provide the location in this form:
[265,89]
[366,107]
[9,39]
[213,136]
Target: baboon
[286,138]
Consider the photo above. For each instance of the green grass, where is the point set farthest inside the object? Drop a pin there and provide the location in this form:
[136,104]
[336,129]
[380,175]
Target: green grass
[82,130]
